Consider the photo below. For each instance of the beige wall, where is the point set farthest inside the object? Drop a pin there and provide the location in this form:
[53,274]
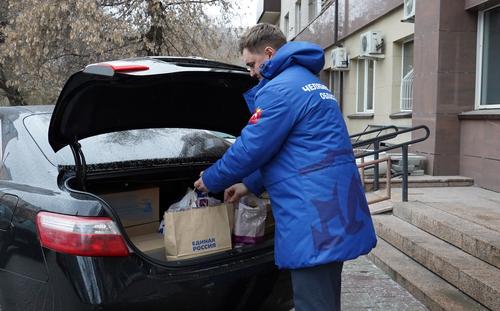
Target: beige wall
[387,72]
[288,6]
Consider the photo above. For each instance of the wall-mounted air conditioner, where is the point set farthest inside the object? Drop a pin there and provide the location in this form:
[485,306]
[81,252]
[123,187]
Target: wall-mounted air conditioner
[372,44]
[340,59]
[409,11]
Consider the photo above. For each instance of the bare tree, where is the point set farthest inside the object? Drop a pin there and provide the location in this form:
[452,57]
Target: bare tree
[10,92]
[43,41]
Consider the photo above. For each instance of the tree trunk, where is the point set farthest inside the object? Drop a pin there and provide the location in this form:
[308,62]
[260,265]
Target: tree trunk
[12,93]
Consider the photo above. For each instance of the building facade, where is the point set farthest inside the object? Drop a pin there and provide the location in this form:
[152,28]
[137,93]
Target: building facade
[411,62]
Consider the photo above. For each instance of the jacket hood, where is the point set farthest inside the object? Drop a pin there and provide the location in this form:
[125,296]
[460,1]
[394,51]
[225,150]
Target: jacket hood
[308,55]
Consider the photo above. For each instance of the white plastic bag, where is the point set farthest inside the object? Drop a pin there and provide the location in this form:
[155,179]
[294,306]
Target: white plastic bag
[188,201]
[193,199]
[249,220]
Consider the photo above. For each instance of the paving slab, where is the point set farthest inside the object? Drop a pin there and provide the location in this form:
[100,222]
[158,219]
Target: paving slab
[474,277]
[366,287]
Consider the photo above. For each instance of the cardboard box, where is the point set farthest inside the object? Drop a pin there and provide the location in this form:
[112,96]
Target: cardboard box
[150,244]
[135,207]
[144,229]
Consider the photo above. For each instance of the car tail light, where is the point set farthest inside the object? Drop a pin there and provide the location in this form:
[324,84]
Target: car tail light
[105,69]
[82,236]
[128,68]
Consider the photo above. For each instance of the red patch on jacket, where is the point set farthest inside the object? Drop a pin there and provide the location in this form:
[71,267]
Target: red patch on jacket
[256,116]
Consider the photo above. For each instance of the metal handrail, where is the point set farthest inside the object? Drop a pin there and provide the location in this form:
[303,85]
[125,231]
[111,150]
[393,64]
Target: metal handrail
[363,166]
[404,147]
[391,136]
[383,128]
[379,129]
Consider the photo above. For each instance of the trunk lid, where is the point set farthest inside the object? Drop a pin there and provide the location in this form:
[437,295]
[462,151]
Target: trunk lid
[150,93]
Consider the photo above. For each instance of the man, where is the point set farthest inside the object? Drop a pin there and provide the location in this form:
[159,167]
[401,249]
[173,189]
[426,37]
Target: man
[296,147]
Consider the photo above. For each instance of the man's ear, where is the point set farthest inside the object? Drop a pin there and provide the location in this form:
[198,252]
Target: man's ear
[269,51]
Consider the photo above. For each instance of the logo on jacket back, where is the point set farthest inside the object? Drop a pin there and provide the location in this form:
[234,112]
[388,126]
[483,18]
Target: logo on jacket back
[256,116]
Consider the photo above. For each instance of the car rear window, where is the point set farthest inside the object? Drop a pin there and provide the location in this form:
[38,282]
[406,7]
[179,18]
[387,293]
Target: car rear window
[132,145]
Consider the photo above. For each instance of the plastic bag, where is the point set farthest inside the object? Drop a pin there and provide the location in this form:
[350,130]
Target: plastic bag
[161,228]
[250,219]
[202,199]
[193,199]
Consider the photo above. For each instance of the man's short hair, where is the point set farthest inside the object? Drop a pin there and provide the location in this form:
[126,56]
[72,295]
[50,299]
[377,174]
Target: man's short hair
[260,36]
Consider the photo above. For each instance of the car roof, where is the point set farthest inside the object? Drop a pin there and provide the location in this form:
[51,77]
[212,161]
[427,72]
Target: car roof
[38,108]
[29,109]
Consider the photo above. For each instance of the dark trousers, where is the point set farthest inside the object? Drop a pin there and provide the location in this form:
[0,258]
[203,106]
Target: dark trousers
[317,288]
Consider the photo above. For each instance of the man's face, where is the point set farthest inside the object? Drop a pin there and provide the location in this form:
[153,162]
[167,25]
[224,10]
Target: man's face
[254,60]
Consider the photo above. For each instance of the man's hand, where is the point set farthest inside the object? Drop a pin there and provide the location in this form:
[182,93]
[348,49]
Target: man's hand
[200,186]
[235,192]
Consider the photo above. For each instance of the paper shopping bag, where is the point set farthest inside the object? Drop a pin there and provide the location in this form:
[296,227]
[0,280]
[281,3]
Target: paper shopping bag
[198,231]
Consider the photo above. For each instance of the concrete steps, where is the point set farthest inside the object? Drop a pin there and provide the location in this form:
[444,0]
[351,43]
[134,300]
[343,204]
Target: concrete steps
[468,274]
[471,237]
[430,289]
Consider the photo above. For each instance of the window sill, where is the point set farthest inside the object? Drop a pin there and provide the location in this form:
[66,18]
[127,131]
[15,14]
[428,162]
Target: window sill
[361,116]
[485,114]
[401,115]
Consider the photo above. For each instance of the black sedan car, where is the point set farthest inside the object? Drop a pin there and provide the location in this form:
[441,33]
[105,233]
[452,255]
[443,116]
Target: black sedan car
[123,133]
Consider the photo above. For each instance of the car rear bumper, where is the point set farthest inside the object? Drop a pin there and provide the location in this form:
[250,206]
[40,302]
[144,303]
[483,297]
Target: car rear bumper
[131,283]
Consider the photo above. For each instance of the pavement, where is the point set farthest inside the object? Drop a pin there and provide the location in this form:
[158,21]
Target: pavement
[366,287]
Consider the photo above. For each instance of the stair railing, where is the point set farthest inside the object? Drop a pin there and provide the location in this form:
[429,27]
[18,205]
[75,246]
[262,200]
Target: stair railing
[378,141]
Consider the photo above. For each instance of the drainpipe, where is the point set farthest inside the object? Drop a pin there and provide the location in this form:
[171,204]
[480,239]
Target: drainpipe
[335,39]
[336,25]
[341,92]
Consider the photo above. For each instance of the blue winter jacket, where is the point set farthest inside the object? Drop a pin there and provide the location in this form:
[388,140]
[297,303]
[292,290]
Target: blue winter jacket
[296,147]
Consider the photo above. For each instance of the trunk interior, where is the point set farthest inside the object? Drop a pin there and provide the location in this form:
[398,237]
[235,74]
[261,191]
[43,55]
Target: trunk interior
[142,198]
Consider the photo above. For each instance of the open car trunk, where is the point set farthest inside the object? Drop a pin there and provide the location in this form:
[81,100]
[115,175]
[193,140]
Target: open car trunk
[147,94]
[141,200]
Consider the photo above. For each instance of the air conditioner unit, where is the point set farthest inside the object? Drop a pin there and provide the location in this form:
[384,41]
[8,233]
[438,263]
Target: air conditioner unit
[340,60]
[372,44]
[409,10]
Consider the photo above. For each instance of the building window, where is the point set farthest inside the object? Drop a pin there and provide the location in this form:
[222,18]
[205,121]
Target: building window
[286,25]
[407,77]
[334,79]
[365,83]
[298,24]
[488,63]
[314,9]
[334,83]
